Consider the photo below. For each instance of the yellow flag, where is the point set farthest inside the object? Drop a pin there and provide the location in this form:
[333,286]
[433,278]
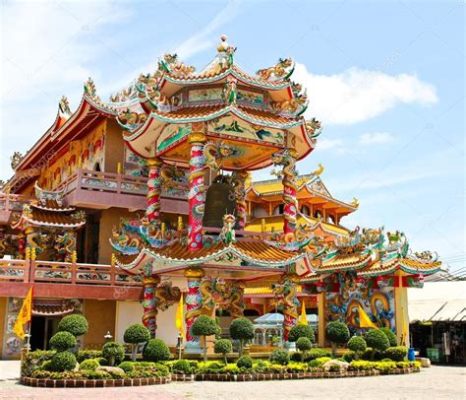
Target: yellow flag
[24,316]
[303,317]
[180,317]
[364,320]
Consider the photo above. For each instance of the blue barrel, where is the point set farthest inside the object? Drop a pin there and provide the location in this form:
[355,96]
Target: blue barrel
[411,354]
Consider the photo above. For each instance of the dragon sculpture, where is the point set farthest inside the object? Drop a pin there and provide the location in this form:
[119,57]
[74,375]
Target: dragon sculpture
[280,71]
[286,292]
[215,152]
[166,295]
[65,245]
[15,159]
[313,128]
[238,179]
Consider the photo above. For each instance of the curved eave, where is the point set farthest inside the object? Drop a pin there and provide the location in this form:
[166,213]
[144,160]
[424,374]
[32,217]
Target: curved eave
[146,255]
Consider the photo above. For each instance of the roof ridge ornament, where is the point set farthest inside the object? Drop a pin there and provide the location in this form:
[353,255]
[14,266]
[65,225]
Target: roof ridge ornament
[225,52]
[64,107]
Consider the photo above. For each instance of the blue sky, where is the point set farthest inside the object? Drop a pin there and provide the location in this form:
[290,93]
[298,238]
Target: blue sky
[386,80]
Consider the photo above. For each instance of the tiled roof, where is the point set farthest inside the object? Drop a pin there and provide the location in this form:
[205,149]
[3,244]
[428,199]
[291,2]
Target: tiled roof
[51,205]
[344,262]
[51,218]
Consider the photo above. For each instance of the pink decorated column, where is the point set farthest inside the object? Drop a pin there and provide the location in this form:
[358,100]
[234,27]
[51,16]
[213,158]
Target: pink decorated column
[149,318]
[193,299]
[154,189]
[196,197]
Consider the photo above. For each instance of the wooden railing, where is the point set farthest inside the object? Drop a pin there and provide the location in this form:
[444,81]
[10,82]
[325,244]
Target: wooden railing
[12,202]
[27,271]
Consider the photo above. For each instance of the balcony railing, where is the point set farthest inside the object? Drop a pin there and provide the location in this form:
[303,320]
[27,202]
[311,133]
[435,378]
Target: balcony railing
[10,203]
[27,271]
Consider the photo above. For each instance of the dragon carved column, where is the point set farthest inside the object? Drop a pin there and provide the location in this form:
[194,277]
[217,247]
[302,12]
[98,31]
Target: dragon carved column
[154,188]
[193,299]
[196,197]
[237,300]
[290,303]
[240,197]
[149,318]
[287,159]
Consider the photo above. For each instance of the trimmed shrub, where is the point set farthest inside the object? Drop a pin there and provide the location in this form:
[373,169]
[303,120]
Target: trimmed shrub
[338,333]
[397,353]
[134,335]
[299,331]
[303,344]
[90,364]
[318,362]
[156,350]
[62,341]
[87,354]
[376,339]
[205,326]
[349,356]
[183,367]
[317,353]
[280,356]
[113,352]
[223,346]
[390,336]
[63,361]
[244,362]
[75,324]
[127,366]
[241,329]
[357,344]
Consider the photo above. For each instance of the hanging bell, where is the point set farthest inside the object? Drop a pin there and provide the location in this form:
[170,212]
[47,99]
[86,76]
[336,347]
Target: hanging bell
[219,201]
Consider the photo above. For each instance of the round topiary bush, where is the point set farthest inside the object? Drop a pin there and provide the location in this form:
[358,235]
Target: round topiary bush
[244,362]
[299,331]
[303,344]
[63,361]
[136,333]
[396,353]
[241,329]
[205,326]
[223,346]
[376,339]
[357,344]
[156,350]
[62,341]
[113,352]
[75,324]
[338,333]
[90,364]
[280,356]
[390,336]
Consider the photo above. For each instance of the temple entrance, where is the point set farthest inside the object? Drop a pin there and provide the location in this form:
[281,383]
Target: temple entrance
[42,329]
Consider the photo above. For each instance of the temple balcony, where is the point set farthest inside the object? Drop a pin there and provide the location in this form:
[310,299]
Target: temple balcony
[52,279]
[10,203]
[101,190]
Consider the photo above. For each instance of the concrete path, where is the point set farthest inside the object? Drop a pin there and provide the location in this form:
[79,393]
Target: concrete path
[439,383]
[9,370]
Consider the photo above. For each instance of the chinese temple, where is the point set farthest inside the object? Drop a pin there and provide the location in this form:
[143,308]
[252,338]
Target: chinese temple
[124,205]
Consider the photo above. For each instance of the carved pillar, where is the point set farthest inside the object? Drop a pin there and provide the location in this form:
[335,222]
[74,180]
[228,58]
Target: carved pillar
[240,197]
[321,312]
[149,318]
[290,304]
[401,310]
[154,189]
[289,192]
[196,197]
[237,300]
[30,251]
[193,298]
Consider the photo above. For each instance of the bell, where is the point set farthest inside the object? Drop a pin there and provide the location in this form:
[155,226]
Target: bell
[219,201]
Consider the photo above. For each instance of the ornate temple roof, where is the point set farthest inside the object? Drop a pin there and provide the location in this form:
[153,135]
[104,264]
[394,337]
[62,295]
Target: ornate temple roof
[49,210]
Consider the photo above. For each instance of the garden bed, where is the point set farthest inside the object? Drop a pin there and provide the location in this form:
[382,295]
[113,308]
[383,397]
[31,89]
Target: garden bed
[92,383]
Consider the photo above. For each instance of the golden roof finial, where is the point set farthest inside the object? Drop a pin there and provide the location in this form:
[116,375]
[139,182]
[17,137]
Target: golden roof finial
[319,170]
[355,202]
[223,46]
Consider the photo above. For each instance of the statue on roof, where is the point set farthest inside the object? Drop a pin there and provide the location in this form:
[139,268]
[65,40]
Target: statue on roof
[64,106]
[320,169]
[280,71]
[228,231]
[89,88]
[16,159]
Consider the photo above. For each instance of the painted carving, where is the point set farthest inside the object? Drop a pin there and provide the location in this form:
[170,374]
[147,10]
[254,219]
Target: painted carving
[280,71]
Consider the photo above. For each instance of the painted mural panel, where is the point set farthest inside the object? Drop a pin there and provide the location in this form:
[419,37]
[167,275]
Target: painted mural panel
[135,165]
[250,97]
[232,127]
[11,343]
[171,134]
[377,300]
[205,94]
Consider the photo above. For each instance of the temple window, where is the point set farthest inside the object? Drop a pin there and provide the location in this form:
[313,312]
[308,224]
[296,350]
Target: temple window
[317,214]
[97,167]
[278,210]
[305,210]
[259,212]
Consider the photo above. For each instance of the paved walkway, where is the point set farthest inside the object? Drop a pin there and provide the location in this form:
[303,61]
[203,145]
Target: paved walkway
[9,370]
[434,383]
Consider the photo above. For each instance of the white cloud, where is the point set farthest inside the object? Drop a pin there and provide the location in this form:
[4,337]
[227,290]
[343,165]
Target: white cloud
[356,95]
[367,139]
[204,39]
[329,144]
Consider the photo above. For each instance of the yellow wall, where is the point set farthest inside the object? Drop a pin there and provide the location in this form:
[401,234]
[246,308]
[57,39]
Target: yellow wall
[3,305]
[101,317]
[114,147]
